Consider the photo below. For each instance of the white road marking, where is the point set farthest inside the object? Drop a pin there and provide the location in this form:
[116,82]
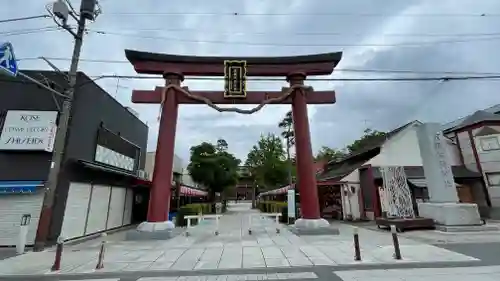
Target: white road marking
[235,277]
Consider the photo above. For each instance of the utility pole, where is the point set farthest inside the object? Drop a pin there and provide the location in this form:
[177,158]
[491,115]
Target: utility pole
[61,10]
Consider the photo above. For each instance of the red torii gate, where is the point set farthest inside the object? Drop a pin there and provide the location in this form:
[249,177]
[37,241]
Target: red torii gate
[174,68]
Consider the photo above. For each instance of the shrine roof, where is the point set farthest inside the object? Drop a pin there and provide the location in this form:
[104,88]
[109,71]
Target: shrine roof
[315,64]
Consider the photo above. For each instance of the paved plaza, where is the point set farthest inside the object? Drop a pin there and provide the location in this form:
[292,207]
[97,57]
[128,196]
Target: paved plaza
[233,249]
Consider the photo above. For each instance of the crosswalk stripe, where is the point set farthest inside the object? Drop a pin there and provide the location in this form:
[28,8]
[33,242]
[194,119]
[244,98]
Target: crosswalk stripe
[228,277]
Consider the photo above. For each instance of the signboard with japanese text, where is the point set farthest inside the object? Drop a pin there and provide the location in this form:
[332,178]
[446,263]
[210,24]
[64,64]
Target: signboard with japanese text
[235,78]
[29,130]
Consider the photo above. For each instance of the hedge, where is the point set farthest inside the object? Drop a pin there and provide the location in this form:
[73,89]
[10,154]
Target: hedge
[195,209]
[271,206]
[191,210]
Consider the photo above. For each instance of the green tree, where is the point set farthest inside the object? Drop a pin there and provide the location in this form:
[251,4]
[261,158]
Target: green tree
[329,154]
[286,124]
[213,166]
[267,163]
[369,138]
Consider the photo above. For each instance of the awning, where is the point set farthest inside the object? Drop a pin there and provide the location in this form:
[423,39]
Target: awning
[16,187]
[278,191]
[187,191]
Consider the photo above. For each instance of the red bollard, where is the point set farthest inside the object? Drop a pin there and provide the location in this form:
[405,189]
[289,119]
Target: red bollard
[59,250]
[100,259]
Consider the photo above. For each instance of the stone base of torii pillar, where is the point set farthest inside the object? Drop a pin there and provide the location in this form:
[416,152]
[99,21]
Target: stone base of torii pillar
[152,231]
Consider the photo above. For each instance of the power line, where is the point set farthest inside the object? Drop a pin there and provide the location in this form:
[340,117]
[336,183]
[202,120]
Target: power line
[29,30]
[345,14]
[308,33]
[386,71]
[24,18]
[294,33]
[403,44]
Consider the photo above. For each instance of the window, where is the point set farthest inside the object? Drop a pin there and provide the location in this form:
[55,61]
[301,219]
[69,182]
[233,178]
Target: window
[493,179]
[489,143]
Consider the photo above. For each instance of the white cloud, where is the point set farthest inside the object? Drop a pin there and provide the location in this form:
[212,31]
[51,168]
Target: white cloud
[382,105]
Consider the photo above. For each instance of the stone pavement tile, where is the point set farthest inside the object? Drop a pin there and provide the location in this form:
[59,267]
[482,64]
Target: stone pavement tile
[188,260]
[113,267]
[165,265]
[170,255]
[231,258]
[138,266]
[281,262]
[272,252]
[150,256]
[299,261]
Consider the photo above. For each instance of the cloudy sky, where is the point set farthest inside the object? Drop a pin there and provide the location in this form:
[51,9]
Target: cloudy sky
[428,38]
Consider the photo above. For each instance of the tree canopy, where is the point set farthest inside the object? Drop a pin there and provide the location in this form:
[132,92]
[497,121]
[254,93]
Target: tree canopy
[369,138]
[286,124]
[329,154]
[213,166]
[267,163]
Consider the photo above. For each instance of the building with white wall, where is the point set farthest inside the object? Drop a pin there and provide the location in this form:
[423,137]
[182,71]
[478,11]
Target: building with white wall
[360,180]
[179,171]
[478,141]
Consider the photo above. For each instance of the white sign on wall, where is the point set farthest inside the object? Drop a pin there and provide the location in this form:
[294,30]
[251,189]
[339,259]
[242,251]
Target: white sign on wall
[29,130]
[113,158]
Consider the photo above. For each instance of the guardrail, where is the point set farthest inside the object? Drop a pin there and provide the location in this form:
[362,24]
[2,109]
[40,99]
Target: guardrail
[262,216]
[201,218]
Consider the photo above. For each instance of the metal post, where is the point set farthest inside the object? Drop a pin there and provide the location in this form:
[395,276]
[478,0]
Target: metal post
[59,249]
[357,250]
[100,259]
[216,225]
[277,224]
[395,241]
[188,226]
[250,224]
[59,143]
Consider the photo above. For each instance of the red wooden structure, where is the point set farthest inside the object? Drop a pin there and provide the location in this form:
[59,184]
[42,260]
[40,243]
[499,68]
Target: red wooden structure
[174,68]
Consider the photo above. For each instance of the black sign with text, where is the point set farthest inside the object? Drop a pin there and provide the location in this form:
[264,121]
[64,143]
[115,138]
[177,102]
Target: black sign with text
[235,78]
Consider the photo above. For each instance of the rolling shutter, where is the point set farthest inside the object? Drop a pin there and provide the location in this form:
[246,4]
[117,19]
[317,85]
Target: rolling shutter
[75,213]
[116,207]
[98,211]
[129,202]
[12,207]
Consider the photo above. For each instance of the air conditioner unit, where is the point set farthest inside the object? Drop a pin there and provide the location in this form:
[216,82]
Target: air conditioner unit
[142,174]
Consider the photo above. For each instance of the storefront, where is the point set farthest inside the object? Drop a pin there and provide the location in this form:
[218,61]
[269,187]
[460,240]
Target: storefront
[103,163]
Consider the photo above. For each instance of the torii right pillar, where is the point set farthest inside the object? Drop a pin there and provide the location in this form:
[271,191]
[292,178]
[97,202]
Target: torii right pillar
[306,176]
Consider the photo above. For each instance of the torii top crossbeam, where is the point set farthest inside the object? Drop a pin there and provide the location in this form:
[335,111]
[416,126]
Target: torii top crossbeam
[153,63]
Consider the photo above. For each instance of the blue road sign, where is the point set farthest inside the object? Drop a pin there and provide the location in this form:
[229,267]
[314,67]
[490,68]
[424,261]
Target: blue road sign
[8,63]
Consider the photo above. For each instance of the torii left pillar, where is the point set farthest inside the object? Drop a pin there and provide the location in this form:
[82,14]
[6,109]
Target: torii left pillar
[160,195]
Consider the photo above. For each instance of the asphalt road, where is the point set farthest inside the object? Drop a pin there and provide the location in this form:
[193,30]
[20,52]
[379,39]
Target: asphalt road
[487,252]
[6,253]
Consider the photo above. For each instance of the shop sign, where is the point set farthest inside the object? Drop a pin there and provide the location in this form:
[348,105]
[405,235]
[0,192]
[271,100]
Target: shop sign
[29,130]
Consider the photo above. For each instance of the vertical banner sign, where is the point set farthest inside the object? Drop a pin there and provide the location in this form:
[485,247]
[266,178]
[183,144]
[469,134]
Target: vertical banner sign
[235,78]
[291,203]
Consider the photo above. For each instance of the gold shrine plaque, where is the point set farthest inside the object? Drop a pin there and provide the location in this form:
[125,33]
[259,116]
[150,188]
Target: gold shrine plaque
[235,78]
